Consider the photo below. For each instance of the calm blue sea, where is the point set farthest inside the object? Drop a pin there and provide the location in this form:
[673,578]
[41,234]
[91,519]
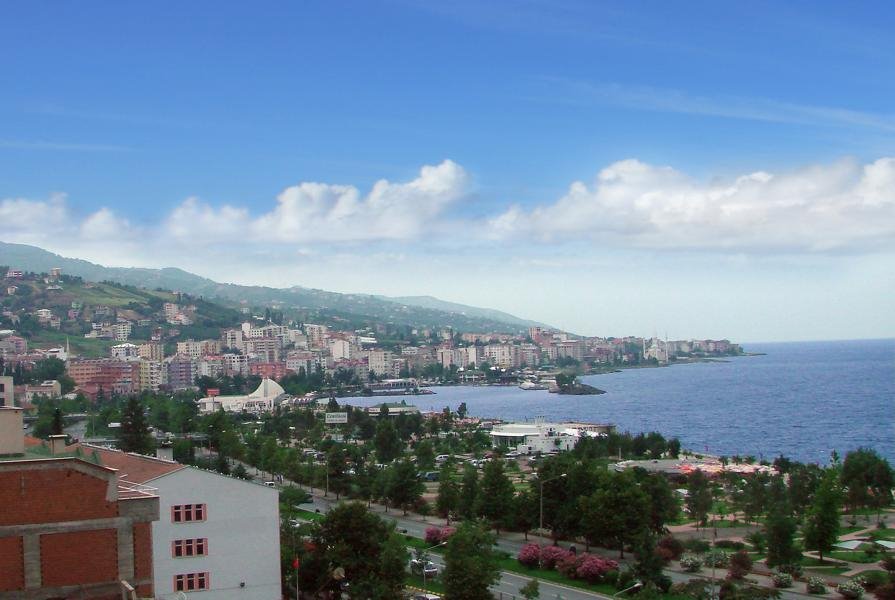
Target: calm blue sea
[801,400]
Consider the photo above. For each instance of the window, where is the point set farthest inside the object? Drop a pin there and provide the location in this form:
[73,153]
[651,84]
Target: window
[182,513]
[195,547]
[191,582]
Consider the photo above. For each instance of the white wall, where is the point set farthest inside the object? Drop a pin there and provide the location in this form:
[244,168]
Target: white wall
[243,531]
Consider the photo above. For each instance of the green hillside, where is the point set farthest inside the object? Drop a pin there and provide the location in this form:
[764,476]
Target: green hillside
[415,312]
[78,304]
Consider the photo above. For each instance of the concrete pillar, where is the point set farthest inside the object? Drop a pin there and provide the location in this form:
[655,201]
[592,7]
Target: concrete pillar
[126,552]
[31,556]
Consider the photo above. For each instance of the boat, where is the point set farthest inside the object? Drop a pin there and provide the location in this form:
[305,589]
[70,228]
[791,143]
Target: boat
[531,385]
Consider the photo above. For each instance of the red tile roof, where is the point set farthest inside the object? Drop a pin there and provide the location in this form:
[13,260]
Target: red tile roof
[135,468]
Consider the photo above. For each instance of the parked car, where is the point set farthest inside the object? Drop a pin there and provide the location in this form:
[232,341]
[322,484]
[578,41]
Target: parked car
[416,566]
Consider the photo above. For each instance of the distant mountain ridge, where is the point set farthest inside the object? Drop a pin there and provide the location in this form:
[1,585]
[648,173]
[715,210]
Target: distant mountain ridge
[425,311]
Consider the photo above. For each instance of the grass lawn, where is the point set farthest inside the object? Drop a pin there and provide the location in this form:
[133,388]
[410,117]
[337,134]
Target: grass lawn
[827,570]
[808,561]
[856,556]
[309,515]
[432,585]
[883,534]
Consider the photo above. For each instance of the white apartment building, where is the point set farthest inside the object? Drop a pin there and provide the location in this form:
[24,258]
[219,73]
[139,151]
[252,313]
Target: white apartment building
[218,537]
[233,338]
[505,356]
[125,352]
[340,349]
[299,360]
[235,364]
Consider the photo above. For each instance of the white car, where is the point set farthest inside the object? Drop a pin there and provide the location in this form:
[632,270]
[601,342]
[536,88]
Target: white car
[431,569]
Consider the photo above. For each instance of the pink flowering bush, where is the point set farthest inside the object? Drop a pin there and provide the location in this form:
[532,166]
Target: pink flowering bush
[568,565]
[529,555]
[433,535]
[593,568]
[550,555]
[437,535]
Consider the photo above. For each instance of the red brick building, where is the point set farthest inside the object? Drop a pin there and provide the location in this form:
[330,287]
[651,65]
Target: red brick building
[70,528]
[110,376]
[269,370]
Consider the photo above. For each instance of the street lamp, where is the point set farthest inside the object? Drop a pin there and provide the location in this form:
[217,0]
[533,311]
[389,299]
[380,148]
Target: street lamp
[423,558]
[541,523]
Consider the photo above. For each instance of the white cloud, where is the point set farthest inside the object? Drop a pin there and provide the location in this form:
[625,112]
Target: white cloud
[632,204]
[312,212]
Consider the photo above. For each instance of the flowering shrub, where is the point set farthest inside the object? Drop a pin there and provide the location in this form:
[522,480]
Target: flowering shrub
[437,535]
[816,585]
[691,563]
[594,568]
[433,535]
[550,555]
[568,565]
[716,558]
[740,565]
[852,589]
[529,555]
[782,580]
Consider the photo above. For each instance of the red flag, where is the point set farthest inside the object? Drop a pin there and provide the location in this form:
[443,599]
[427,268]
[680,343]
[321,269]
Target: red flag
[295,563]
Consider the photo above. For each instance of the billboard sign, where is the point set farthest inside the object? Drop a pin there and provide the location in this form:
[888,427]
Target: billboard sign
[336,418]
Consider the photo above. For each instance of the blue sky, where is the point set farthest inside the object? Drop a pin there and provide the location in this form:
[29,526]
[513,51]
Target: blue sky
[733,160]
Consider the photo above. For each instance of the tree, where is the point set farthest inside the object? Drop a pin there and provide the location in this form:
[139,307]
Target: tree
[387,442]
[613,515]
[699,496]
[404,487]
[531,590]
[368,551]
[471,566]
[469,493]
[867,479]
[448,500]
[822,524]
[663,506]
[525,511]
[781,530]
[134,435]
[58,425]
[496,500]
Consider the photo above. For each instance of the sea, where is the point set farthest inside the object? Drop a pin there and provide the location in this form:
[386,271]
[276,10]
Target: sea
[802,400]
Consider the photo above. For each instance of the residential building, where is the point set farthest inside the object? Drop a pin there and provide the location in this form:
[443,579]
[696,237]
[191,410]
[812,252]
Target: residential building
[270,370]
[218,537]
[153,374]
[316,335]
[7,391]
[104,374]
[80,530]
[181,372]
[47,389]
[152,351]
[379,362]
[125,352]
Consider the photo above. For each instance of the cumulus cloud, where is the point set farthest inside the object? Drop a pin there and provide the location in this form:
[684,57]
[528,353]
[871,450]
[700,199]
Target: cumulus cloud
[310,212]
[631,203]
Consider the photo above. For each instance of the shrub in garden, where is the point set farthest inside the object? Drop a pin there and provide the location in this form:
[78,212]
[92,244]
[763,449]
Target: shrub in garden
[625,579]
[447,532]
[673,545]
[664,554]
[716,558]
[758,540]
[852,589]
[567,566]
[740,565]
[611,577]
[816,585]
[697,546]
[691,563]
[550,555]
[433,535]
[730,544]
[594,568]
[782,580]
[529,556]
[874,579]
[695,588]
[793,569]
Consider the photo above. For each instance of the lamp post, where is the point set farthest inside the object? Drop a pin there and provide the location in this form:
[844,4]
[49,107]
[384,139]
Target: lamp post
[423,558]
[541,522]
